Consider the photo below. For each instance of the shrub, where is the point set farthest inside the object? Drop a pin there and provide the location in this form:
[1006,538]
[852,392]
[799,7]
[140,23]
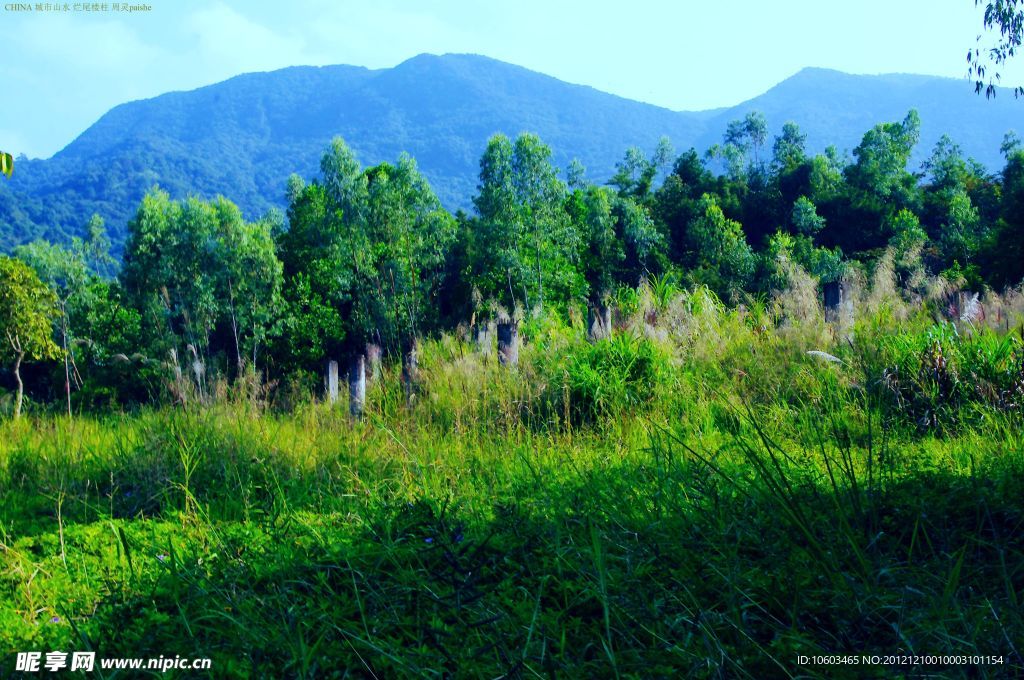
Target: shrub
[937,377]
[610,376]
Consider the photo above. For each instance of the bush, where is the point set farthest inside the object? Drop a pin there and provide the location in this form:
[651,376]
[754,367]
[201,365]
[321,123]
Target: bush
[938,377]
[610,376]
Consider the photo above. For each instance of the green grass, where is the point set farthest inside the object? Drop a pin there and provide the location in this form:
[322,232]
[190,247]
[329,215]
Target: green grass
[701,498]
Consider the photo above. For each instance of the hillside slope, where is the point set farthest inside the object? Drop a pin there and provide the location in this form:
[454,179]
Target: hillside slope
[244,136]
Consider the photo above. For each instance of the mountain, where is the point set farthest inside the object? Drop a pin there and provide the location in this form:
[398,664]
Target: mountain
[838,108]
[244,136]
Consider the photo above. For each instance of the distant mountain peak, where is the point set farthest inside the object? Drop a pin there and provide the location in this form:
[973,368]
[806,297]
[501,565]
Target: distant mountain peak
[441,109]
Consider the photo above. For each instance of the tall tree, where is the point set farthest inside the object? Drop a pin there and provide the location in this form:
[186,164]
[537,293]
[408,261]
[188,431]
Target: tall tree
[880,171]
[27,310]
[205,281]
[1005,251]
[74,275]
[788,151]
[721,256]
[635,173]
[675,203]
[878,186]
[409,234]
[527,249]
[319,256]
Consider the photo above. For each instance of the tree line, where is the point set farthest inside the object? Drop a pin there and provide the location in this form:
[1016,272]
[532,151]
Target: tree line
[366,261]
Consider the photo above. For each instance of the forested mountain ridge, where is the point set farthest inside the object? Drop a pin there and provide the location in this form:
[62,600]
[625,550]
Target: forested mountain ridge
[244,136]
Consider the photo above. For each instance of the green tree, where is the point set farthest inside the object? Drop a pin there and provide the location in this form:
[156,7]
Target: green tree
[635,173]
[620,240]
[318,253]
[409,235]
[575,174]
[960,236]
[204,280]
[744,138]
[723,260]
[789,149]
[906,239]
[27,310]
[643,242]
[880,170]
[249,280]
[73,274]
[825,176]
[364,256]
[527,248]
[805,219]
[1005,247]
[676,201]
[604,252]
[878,185]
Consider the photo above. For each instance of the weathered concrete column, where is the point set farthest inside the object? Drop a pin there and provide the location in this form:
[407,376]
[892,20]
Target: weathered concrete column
[410,372]
[508,343]
[833,297]
[599,322]
[331,381]
[373,354]
[357,387]
[482,333]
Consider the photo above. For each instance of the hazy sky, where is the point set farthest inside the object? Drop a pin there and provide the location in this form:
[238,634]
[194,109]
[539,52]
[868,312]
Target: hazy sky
[62,70]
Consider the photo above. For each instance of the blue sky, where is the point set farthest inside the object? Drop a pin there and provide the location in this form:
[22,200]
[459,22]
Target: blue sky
[61,71]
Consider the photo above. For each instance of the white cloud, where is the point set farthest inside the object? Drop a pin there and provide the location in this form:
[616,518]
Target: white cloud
[230,43]
[97,47]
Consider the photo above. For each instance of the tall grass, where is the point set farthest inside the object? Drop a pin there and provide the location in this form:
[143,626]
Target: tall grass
[697,496]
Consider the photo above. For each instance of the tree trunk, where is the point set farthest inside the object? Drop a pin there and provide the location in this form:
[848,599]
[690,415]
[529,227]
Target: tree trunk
[508,343]
[21,387]
[331,381]
[67,367]
[410,372]
[234,330]
[357,387]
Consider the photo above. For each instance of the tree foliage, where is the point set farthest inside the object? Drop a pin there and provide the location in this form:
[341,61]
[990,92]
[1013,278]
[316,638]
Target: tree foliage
[369,255]
[206,282]
[1006,17]
[527,250]
[27,310]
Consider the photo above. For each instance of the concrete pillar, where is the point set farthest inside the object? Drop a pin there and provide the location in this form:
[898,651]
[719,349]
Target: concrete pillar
[373,354]
[508,343]
[357,387]
[410,372]
[833,294]
[482,332]
[331,381]
[599,322]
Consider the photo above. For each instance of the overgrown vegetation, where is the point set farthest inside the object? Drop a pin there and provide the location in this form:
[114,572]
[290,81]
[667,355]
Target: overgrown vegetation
[708,458]
[366,261]
[712,491]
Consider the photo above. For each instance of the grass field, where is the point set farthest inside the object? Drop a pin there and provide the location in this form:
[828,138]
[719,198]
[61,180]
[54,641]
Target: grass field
[699,496]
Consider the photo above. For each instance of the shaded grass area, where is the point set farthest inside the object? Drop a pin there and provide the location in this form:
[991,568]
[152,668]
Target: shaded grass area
[635,551]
